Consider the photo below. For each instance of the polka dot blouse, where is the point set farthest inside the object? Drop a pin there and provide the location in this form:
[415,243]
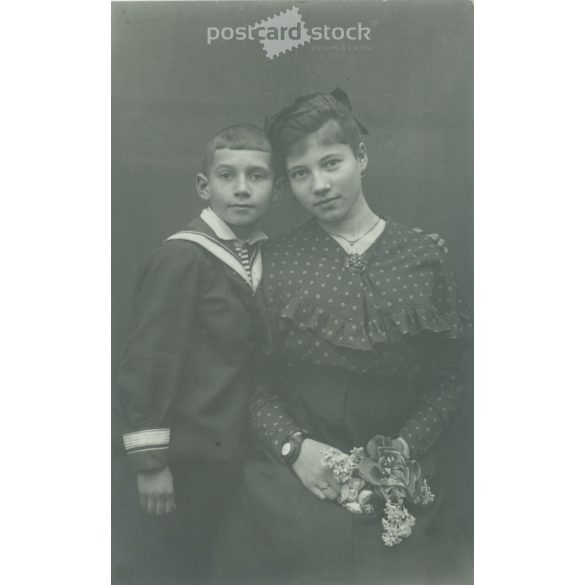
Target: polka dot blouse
[381,312]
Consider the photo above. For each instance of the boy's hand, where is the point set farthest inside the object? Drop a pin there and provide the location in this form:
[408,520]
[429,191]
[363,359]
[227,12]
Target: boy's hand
[156,491]
[317,479]
[435,238]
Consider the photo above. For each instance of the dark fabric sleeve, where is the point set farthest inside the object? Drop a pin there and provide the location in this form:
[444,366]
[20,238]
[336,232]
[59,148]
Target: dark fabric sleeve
[270,422]
[150,369]
[439,385]
[440,380]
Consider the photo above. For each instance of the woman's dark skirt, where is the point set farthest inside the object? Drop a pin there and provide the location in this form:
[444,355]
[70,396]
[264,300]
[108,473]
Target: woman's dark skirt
[279,533]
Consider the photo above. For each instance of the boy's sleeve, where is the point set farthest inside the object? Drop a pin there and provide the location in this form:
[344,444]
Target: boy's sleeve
[152,362]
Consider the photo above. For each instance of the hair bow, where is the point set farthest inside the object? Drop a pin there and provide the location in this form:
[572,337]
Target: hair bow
[343,98]
[283,114]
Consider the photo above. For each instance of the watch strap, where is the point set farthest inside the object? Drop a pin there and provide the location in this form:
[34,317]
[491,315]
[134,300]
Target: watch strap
[291,446]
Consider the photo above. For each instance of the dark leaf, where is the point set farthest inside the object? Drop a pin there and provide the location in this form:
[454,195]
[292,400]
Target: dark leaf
[370,471]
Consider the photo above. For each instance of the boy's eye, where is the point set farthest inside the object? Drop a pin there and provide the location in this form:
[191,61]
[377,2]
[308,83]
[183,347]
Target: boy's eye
[225,175]
[258,176]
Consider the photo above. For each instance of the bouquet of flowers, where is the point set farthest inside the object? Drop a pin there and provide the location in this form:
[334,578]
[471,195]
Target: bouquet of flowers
[382,475]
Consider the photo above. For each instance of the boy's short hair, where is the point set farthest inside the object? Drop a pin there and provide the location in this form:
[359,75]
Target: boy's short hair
[307,115]
[237,137]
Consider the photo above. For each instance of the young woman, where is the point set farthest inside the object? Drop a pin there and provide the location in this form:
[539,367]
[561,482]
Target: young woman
[365,336]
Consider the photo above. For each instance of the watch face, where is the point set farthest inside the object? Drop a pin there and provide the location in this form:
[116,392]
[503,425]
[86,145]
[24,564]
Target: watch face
[286,448]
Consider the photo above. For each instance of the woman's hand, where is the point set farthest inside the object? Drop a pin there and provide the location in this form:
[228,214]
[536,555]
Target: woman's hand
[156,491]
[313,475]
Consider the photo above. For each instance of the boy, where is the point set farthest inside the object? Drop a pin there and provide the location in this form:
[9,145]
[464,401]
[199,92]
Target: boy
[186,370]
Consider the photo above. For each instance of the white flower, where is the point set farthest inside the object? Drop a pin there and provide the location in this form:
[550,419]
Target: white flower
[397,525]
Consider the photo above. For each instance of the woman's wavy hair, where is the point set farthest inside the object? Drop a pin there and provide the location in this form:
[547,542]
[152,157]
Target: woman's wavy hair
[307,115]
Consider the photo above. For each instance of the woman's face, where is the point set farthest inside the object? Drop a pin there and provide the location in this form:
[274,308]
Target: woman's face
[325,177]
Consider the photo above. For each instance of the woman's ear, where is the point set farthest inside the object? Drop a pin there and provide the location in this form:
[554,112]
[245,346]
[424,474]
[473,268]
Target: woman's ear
[202,186]
[278,189]
[362,156]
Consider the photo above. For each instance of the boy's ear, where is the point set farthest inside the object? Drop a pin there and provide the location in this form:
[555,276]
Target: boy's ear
[278,189]
[202,186]
[362,156]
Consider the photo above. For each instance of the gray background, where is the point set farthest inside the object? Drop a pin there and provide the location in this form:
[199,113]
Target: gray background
[171,92]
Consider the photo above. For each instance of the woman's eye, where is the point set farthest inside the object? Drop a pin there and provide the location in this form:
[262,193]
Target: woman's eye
[332,163]
[298,175]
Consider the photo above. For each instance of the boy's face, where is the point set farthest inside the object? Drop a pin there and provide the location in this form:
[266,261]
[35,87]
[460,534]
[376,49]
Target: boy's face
[325,177]
[239,186]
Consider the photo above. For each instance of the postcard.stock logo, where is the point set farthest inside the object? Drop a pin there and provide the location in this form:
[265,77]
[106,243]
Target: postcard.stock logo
[286,31]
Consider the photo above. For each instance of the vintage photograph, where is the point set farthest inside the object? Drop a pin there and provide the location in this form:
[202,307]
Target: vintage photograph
[292,292]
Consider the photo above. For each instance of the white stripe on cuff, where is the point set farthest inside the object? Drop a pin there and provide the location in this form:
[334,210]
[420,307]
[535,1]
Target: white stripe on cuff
[147,438]
[145,449]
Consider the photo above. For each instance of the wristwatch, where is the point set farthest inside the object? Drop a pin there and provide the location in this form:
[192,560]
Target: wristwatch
[291,447]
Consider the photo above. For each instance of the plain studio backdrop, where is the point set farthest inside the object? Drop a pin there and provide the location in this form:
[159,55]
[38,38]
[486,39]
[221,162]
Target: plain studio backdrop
[411,85]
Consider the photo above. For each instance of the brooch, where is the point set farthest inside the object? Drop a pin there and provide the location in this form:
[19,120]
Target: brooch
[355,263]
